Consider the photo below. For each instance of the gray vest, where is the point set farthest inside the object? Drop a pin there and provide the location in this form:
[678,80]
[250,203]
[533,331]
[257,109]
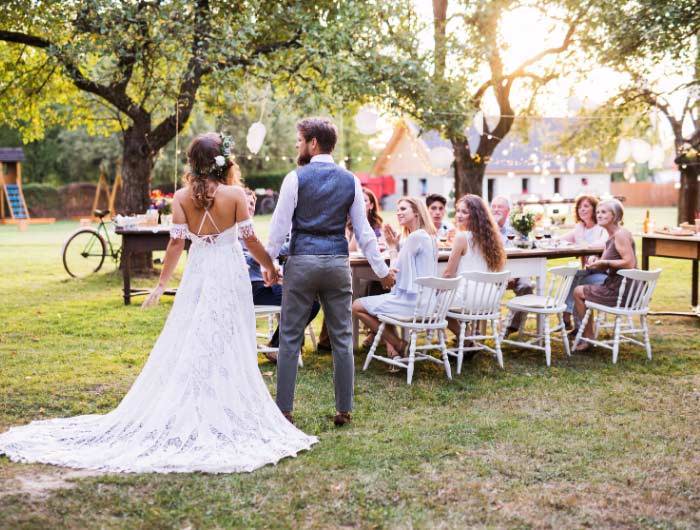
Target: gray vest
[326,193]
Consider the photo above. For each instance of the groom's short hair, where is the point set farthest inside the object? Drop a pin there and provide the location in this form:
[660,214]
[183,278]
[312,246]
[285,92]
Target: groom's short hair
[323,129]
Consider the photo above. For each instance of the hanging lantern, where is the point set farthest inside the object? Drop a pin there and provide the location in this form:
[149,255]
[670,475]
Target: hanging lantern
[624,150]
[256,136]
[571,165]
[441,157]
[478,122]
[366,120]
[656,160]
[492,122]
[641,151]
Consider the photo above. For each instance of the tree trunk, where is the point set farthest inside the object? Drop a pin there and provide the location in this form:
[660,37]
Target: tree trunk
[688,194]
[469,174]
[137,164]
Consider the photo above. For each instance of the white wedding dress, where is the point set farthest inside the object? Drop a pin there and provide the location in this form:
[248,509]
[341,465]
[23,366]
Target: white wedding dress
[199,404]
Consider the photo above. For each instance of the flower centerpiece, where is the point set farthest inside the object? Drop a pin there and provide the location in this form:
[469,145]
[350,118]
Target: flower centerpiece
[522,222]
[163,203]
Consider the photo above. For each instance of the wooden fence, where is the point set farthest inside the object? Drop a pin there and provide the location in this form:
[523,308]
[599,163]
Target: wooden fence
[646,193]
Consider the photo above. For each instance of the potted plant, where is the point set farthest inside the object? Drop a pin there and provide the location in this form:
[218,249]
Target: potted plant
[522,222]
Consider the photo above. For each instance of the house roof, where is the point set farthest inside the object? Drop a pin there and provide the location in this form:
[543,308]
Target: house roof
[11,154]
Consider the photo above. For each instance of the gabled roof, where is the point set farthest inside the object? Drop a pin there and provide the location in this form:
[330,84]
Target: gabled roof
[11,154]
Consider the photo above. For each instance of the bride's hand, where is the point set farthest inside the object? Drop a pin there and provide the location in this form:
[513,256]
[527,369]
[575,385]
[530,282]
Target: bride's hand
[153,298]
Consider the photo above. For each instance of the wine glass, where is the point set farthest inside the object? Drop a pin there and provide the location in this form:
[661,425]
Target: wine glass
[511,238]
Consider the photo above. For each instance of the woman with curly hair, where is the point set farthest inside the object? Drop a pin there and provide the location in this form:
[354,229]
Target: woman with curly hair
[477,245]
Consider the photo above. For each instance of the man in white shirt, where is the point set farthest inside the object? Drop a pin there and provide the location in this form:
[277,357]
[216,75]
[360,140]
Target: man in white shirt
[500,208]
[315,201]
[437,205]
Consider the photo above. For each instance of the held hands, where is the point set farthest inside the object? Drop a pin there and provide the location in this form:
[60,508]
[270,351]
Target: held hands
[389,280]
[153,298]
[271,277]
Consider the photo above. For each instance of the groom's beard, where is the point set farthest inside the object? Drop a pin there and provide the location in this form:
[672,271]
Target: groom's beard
[304,159]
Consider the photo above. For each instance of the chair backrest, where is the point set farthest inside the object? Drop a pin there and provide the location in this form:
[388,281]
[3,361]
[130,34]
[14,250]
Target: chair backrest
[560,281]
[482,292]
[435,296]
[636,288]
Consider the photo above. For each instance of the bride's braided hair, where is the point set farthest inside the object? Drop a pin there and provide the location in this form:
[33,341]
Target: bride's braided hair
[209,159]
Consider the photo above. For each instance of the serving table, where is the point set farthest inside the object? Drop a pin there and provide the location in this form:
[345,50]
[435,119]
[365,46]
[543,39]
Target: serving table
[678,247]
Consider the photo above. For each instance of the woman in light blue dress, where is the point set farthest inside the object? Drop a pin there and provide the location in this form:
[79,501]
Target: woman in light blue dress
[413,256]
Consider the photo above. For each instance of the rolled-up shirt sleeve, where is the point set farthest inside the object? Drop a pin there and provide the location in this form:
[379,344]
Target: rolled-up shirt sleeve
[281,222]
[366,239]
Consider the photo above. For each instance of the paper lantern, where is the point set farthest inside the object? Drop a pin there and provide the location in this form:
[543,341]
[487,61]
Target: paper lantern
[478,122]
[366,120]
[492,122]
[658,155]
[255,138]
[624,150]
[441,157]
[571,165]
[641,151]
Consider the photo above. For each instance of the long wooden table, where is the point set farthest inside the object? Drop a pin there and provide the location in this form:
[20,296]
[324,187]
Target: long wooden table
[521,263]
[140,240]
[678,247]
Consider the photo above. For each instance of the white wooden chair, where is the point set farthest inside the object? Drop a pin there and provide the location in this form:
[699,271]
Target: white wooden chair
[553,302]
[482,293]
[633,300]
[272,314]
[434,299]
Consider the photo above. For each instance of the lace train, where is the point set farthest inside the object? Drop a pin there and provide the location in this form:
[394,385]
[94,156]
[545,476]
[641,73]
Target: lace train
[199,404]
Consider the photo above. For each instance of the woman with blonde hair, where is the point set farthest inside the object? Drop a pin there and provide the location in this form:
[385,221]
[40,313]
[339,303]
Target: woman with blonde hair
[413,255]
[200,402]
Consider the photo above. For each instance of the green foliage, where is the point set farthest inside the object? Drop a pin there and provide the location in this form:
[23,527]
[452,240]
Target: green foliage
[271,181]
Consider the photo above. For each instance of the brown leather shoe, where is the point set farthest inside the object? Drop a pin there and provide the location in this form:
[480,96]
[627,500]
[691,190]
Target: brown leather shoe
[271,356]
[342,418]
[289,417]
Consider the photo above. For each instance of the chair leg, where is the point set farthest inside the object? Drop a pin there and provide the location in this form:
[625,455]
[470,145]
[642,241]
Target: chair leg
[497,340]
[300,363]
[375,343]
[547,341]
[312,336]
[460,351]
[581,327]
[270,326]
[445,357]
[564,336]
[411,358]
[645,328]
[616,340]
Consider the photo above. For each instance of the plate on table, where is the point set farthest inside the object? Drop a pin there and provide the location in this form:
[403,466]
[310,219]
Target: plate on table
[675,231]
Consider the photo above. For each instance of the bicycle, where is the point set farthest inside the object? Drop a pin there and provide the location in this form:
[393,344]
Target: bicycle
[85,250]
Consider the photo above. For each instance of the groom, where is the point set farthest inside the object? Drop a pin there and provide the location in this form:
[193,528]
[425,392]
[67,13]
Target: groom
[315,201]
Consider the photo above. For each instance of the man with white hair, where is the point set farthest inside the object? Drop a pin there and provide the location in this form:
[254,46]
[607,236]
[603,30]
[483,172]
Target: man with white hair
[500,208]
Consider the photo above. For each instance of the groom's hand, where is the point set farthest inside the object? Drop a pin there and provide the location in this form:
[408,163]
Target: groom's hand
[270,277]
[389,280]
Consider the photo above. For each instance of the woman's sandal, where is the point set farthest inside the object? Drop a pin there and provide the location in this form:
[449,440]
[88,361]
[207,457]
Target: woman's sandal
[393,353]
[369,340]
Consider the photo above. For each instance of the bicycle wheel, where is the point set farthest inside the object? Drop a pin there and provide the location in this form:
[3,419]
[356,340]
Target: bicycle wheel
[84,253]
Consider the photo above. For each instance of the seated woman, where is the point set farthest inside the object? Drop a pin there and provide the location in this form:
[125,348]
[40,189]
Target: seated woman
[588,232]
[619,254]
[375,220]
[477,245]
[416,257]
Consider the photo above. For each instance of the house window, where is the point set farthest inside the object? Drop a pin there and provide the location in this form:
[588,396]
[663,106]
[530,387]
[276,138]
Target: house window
[525,185]
[490,185]
[557,184]
[423,186]
[404,187]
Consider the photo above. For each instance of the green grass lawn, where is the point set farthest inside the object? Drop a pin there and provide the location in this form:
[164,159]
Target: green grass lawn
[581,444]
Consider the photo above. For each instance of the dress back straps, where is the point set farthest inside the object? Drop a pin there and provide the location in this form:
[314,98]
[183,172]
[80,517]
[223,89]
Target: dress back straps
[207,214]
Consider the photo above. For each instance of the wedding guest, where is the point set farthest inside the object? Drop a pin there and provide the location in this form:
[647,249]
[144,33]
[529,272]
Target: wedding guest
[476,246]
[437,204]
[375,220]
[587,232]
[266,294]
[412,256]
[500,208]
[619,254]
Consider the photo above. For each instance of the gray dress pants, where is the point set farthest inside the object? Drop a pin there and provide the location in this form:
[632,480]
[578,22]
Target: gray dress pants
[305,278]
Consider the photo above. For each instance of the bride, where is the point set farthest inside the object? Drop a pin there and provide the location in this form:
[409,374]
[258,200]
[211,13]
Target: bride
[200,403]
